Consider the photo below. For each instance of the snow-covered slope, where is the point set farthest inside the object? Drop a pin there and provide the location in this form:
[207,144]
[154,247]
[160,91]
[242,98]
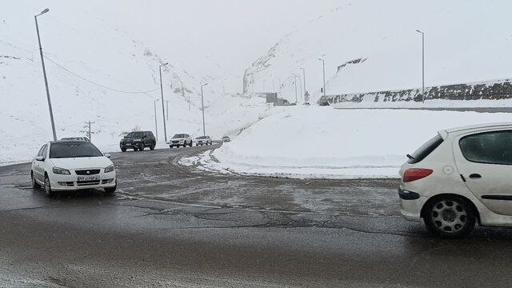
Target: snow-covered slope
[97,72]
[465,41]
[334,143]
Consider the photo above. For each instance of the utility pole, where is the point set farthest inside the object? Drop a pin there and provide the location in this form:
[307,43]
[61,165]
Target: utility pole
[202,105]
[162,95]
[422,64]
[88,130]
[156,122]
[323,69]
[44,74]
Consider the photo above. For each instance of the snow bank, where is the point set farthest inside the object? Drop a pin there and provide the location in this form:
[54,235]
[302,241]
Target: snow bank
[321,142]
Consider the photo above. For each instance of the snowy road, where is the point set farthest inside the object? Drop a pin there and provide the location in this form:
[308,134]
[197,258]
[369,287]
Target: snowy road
[174,226]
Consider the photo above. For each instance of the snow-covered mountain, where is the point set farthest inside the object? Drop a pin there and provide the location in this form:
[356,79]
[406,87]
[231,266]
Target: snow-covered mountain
[373,46]
[98,72]
[102,59]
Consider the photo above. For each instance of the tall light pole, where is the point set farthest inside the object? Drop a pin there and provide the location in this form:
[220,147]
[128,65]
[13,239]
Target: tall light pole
[162,94]
[306,94]
[304,78]
[44,74]
[202,105]
[422,64]
[323,69]
[295,82]
[167,109]
[156,122]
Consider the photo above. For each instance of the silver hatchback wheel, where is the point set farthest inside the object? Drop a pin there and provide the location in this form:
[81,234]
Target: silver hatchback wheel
[450,216]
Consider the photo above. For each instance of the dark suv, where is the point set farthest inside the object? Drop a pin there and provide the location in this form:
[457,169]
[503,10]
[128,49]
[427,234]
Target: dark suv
[138,140]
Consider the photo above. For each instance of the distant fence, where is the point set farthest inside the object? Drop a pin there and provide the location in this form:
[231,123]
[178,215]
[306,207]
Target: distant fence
[490,90]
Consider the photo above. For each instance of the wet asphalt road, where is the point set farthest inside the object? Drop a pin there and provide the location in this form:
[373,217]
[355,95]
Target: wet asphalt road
[173,226]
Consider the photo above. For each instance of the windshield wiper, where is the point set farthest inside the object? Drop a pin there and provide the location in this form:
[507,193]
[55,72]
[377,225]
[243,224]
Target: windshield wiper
[410,157]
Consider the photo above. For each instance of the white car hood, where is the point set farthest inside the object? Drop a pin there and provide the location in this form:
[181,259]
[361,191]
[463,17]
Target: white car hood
[81,163]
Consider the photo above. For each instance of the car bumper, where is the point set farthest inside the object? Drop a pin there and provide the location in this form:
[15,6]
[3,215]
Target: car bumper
[131,145]
[410,204]
[70,182]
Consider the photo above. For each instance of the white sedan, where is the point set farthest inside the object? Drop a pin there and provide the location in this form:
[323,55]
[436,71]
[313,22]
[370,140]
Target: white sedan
[459,178]
[72,165]
[203,140]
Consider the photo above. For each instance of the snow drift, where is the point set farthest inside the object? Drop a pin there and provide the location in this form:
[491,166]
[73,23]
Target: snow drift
[321,142]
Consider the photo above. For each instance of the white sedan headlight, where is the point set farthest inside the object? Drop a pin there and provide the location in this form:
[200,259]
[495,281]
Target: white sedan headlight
[61,171]
[109,169]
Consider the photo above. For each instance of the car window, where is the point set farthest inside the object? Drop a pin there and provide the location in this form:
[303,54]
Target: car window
[40,152]
[489,147]
[425,149]
[135,135]
[45,149]
[74,150]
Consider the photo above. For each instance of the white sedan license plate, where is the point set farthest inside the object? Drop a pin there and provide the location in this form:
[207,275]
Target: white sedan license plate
[88,178]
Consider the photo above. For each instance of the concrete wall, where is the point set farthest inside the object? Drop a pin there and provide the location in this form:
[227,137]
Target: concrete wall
[491,90]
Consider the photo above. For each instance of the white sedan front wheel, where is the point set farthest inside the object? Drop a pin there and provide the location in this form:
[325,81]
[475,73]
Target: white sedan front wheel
[48,187]
[35,185]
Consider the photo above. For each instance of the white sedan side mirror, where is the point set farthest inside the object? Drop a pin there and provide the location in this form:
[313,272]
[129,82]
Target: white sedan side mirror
[107,155]
[39,158]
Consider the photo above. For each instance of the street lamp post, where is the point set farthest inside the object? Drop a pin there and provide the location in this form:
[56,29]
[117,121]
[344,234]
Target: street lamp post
[304,78]
[202,105]
[44,74]
[422,64]
[295,82]
[167,109]
[162,95]
[156,122]
[323,69]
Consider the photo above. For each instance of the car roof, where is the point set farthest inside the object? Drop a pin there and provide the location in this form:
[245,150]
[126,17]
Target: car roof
[68,141]
[72,138]
[479,127]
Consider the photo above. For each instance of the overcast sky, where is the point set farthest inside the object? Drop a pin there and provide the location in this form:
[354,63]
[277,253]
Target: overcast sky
[234,32]
[199,35]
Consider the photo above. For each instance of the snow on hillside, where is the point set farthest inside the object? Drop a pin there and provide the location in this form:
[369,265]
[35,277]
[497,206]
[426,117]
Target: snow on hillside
[333,143]
[465,41]
[97,72]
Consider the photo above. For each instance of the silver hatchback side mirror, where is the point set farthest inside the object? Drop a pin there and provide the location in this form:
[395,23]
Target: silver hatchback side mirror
[39,158]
